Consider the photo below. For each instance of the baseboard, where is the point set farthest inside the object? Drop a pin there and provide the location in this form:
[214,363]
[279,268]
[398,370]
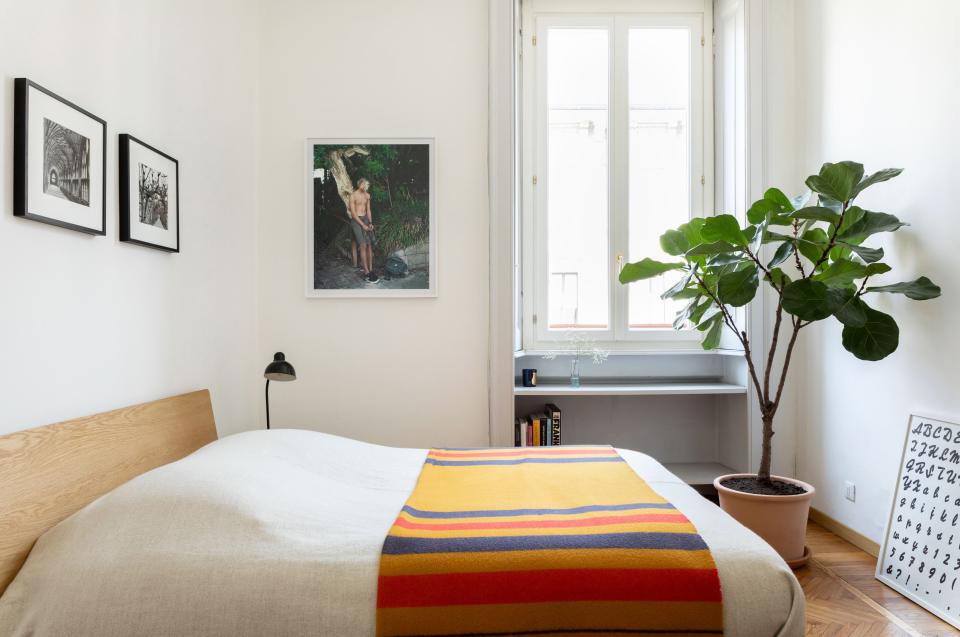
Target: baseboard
[842,530]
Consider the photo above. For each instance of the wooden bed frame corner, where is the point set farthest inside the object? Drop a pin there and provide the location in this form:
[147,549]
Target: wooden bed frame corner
[48,473]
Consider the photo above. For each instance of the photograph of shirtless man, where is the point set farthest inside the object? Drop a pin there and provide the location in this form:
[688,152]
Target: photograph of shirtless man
[347,182]
[361,220]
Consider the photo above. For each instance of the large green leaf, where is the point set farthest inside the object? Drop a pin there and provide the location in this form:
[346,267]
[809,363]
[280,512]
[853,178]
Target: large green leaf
[679,287]
[841,273]
[760,209]
[771,237]
[684,314]
[778,278]
[697,314]
[727,258]
[817,213]
[836,181]
[812,243]
[738,288]
[877,268]
[876,178]
[848,308]
[832,204]
[713,313]
[776,196]
[674,242]
[711,340]
[782,254]
[877,338]
[691,230]
[920,290]
[687,293]
[868,223]
[869,255]
[808,300]
[801,201]
[771,208]
[723,228]
[708,249]
[646,269]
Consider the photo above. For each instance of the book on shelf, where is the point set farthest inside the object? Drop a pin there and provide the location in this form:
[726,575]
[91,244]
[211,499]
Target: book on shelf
[553,413]
[542,429]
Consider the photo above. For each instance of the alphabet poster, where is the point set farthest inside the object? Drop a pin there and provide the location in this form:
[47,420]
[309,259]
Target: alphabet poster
[921,550]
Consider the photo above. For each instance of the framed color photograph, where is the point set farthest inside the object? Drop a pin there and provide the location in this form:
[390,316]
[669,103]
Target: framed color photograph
[60,162]
[149,196]
[371,228]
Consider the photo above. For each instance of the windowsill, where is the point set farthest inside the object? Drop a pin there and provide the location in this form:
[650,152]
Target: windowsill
[697,351]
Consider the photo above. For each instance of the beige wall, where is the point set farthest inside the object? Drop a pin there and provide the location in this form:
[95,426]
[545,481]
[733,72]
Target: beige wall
[878,84]
[410,372]
[87,323]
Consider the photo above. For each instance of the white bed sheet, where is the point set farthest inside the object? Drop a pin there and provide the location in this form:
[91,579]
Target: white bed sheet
[279,533]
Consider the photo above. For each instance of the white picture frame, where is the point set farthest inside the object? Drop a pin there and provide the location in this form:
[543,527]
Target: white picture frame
[329,271]
[918,507]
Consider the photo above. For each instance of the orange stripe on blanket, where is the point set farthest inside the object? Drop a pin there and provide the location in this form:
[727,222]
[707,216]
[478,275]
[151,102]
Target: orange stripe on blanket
[537,524]
[526,452]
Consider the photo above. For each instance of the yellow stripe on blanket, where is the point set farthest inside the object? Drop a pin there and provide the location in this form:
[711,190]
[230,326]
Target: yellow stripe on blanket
[565,540]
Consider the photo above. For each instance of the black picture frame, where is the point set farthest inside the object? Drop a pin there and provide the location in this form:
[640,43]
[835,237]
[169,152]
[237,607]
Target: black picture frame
[126,207]
[21,169]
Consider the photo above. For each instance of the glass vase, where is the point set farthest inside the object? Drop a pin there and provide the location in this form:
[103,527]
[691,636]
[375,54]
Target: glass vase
[575,372]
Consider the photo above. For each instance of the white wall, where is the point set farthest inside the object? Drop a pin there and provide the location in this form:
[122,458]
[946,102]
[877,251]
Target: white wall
[410,372]
[87,323]
[878,84]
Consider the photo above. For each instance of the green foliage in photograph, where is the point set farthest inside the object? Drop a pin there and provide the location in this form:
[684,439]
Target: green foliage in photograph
[399,191]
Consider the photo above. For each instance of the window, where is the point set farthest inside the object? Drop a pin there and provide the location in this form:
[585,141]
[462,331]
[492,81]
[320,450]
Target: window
[615,118]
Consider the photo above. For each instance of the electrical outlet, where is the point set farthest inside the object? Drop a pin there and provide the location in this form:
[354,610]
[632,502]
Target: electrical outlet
[850,491]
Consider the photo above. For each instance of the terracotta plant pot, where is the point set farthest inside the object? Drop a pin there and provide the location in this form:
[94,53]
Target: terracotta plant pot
[781,520]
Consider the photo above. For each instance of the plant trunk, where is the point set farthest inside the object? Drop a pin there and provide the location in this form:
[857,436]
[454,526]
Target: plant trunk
[763,475]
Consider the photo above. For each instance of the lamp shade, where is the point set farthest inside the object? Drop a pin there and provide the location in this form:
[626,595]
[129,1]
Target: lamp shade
[280,369]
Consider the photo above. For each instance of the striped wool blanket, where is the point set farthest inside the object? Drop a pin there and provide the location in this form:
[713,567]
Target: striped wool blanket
[537,541]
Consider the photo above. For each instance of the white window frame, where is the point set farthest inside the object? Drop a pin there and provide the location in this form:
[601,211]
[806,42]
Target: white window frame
[618,16]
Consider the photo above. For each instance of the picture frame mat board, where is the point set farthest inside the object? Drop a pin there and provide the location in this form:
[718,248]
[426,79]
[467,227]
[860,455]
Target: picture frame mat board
[136,155]
[34,107]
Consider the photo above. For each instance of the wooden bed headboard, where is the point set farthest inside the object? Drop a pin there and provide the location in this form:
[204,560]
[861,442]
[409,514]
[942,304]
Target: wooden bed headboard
[50,472]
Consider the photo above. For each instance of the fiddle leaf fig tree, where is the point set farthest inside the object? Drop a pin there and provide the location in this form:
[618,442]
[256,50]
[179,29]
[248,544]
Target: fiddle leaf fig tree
[816,262]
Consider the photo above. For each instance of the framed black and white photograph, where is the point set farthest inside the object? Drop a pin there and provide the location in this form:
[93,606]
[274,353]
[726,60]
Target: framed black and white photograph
[149,196]
[370,218]
[59,161]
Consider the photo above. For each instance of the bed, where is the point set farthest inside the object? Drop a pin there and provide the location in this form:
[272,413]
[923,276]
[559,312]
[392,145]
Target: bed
[279,533]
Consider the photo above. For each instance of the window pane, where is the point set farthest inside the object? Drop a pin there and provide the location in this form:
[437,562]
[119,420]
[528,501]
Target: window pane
[659,176]
[577,157]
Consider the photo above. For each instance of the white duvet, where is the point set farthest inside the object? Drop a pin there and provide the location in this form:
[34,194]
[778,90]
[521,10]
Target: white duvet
[279,533]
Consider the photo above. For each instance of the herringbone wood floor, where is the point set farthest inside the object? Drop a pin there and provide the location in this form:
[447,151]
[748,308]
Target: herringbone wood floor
[844,599]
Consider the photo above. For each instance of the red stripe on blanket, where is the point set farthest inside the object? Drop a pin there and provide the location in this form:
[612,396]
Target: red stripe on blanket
[517,587]
[543,524]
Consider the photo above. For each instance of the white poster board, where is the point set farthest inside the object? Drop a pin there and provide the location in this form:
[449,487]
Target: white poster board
[921,548]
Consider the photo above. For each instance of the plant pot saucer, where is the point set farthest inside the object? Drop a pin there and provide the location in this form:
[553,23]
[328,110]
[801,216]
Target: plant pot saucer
[801,561]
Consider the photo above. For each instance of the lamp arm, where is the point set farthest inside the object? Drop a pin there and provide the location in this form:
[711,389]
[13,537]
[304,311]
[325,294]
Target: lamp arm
[266,396]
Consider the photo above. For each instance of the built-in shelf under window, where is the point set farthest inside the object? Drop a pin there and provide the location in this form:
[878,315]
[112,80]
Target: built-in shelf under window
[625,387]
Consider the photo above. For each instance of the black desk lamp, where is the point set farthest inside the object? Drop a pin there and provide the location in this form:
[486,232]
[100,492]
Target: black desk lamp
[279,370]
